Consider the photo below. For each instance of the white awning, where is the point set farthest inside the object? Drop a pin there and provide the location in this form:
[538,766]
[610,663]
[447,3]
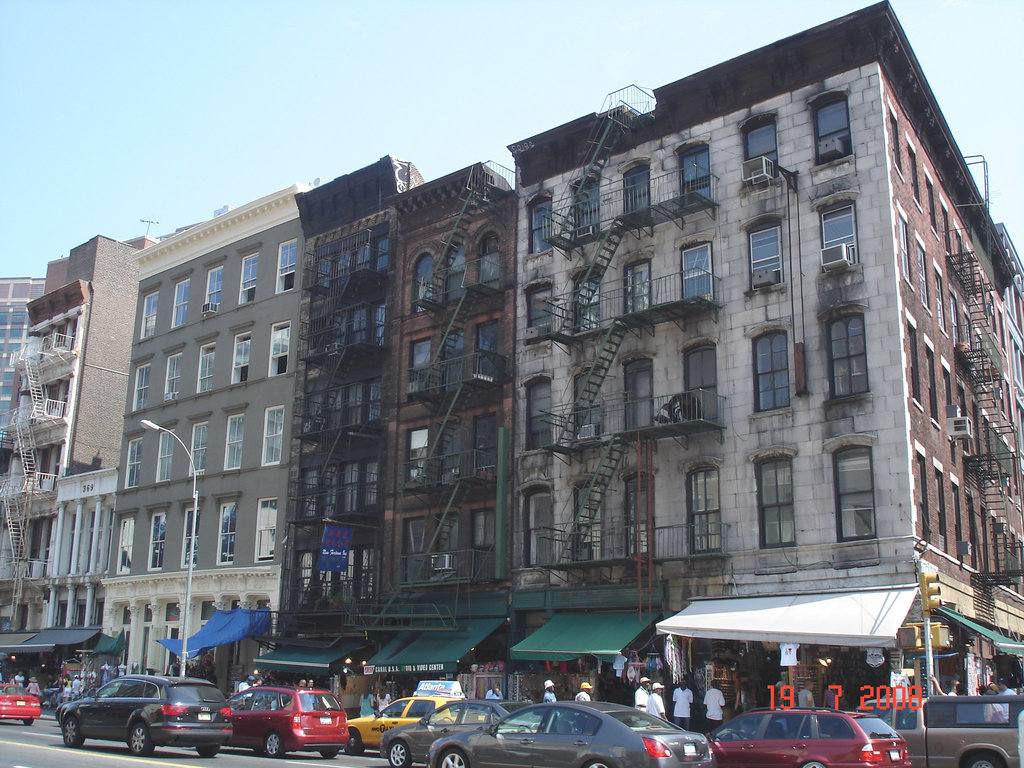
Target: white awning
[864,618]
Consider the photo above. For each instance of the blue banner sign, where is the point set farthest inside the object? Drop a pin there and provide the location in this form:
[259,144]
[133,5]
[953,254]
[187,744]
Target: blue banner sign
[334,549]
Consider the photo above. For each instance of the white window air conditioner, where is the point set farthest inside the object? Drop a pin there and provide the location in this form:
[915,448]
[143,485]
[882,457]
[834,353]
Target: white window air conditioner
[831,149]
[587,230]
[758,171]
[960,427]
[531,333]
[450,476]
[836,257]
[210,308]
[170,396]
[589,432]
[444,562]
[762,278]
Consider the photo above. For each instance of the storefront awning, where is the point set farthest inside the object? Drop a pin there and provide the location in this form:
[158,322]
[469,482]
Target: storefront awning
[417,652]
[110,646]
[864,618]
[1003,643]
[223,627]
[9,641]
[48,639]
[298,658]
[568,636]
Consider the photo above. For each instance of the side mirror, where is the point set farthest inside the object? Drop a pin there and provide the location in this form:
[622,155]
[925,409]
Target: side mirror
[424,719]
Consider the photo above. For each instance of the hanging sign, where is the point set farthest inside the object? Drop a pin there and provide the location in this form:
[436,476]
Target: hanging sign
[875,657]
[334,549]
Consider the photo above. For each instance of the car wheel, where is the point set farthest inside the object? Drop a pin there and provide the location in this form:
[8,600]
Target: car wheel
[813,764]
[598,764]
[452,758]
[329,754]
[71,730]
[398,754]
[272,746]
[28,720]
[355,743]
[139,742]
[208,751]
[984,760]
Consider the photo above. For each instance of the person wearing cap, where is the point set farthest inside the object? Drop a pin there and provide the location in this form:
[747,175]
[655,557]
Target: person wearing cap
[33,687]
[549,692]
[714,702]
[643,692]
[584,693]
[655,702]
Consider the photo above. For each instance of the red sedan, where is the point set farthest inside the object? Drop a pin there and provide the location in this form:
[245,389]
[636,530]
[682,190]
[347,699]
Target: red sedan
[18,704]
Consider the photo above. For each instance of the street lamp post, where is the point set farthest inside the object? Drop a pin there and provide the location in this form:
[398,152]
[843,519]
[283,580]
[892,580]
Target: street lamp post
[185,628]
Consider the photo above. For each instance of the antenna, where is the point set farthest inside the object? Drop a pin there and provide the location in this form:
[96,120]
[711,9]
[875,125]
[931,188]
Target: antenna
[148,223]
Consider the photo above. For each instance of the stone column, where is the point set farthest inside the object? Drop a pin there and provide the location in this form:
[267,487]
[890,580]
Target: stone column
[97,519]
[104,564]
[69,615]
[90,596]
[76,542]
[57,548]
[135,610]
[51,606]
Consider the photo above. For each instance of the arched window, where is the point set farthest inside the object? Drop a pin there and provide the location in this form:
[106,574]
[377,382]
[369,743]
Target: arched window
[422,282]
[538,404]
[455,273]
[848,358]
[700,378]
[695,170]
[759,139]
[489,261]
[636,189]
[540,226]
[771,372]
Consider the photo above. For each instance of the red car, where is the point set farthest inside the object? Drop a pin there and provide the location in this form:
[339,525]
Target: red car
[18,704]
[795,738]
[275,719]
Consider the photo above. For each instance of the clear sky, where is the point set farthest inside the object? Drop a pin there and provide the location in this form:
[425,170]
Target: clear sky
[119,110]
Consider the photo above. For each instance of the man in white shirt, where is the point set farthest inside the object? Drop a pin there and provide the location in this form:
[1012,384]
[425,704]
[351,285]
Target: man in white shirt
[655,704]
[714,701]
[682,698]
[805,698]
[495,692]
[584,692]
[643,691]
[549,692]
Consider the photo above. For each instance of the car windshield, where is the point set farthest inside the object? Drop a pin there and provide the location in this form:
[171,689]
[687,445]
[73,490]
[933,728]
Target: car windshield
[877,728]
[188,693]
[394,709]
[317,702]
[641,721]
[13,690]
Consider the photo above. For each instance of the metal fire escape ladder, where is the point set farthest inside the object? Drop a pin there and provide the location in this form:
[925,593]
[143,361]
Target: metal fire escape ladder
[35,387]
[27,454]
[587,512]
[16,515]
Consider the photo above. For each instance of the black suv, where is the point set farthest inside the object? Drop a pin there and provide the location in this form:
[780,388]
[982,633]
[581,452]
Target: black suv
[149,711]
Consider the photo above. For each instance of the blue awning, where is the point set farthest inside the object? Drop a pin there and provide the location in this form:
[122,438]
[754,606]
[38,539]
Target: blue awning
[223,627]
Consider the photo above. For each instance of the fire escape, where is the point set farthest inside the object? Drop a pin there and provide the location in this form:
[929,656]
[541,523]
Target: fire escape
[445,474]
[591,220]
[992,462]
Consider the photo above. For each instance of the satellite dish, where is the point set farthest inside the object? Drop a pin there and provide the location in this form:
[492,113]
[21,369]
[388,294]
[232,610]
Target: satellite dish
[316,182]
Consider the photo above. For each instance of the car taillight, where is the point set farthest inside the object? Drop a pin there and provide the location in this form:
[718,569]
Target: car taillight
[226,712]
[869,754]
[297,720]
[656,748]
[173,709]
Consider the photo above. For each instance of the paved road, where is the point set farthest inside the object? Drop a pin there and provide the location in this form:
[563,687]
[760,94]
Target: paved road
[40,746]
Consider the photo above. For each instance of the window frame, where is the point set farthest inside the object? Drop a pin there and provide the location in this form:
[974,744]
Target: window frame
[287,260]
[533,554]
[227,532]
[636,189]
[242,349]
[540,212]
[761,263]
[538,433]
[133,463]
[150,306]
[280,345]
[199,445]
[842,132]
[842,491]
[179,315]
[757,129]
[233,441]
[833,215]
[273,435]
[165,457]
[205,369]
[266,508]
[172,377]
[785,509]
[704,510]
[140,396]
[125,544]
[848,357]
[248,278]
[187,547]
[157,541]
[214,285]
[772,372]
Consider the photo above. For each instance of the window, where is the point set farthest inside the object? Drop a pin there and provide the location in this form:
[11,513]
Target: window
[636,189]
[157,540]
[771,372]
[280,336]
[922,275]
[186,538]
[214,286]
[200,435]
[945,231]
[587,303]
[538,307]
[240,366]
[172,382]
[250,268]
[286,254]
[695,169]
[180,303]
[940,314]
[832,130]
[940,501]
[700,376]
[149,305]
[766,250]
[775,503]
[929,189]
[915,180]
[488,366]
[539,541]
[490,261]
[141,387]
[848,356]
[915,366]
[587,209]
[933,394]
[233,446]
[855,496]
[538,403]
[705,511]
[922,489]
[639,393]
[697,272]
[226,542]
[637,281]
[838,227]
[125,543]
[903,243]
[894,137]
[483,529]
[540,226]
[455,273]
[134,463]
[206,359]
[273,435]
[266,528]
[760,140]
[164,455]
[417,450]
[423,281]
[637,512]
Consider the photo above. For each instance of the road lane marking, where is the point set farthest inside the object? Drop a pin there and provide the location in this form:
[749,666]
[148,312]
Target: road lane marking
[106,755]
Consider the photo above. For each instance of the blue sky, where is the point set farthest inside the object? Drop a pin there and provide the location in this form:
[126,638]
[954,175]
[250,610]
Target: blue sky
[116,111]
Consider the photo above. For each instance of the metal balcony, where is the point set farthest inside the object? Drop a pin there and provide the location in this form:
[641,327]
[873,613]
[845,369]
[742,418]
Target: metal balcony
[446,567]
[439,473]
[478,370]
[609,542]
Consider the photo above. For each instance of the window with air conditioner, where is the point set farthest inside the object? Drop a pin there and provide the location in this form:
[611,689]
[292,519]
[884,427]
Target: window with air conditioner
[838,236]
[832,130]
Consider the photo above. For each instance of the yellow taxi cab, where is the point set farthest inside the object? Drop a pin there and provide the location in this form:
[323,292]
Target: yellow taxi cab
[364,732]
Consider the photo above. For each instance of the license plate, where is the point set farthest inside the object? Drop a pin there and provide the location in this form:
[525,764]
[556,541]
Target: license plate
[205,716]
[894,755]
[20,703]
[325,720]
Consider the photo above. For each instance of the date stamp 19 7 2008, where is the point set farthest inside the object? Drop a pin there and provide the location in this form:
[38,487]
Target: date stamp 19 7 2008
[879,696]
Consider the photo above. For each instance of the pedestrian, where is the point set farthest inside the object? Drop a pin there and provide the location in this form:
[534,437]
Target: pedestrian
[366,703]
[302,684]
[244,685]
[494,692]
[383,699]
[655,702]
[33,687]
[584,693]
[714,702]
[549,692]
[833,699]
[66,689]
[744,696]
[76,687]
[682,699]
[805,698]
[643,692]
[19,679]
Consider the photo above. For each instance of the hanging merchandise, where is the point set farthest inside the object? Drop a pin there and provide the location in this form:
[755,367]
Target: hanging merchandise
[635,668]
[787,654]
[653,663]
[674,658]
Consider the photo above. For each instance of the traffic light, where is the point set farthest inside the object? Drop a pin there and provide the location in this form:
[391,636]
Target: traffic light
[929,592]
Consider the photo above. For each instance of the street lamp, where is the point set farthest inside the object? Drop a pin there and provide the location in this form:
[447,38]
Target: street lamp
[183,656]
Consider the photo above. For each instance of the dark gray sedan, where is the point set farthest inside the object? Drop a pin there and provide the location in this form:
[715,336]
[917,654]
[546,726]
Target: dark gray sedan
[571,735]
[408,744]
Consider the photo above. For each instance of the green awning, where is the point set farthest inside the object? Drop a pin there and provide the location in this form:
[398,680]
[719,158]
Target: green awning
[298,658]
[568,636]
[111,646]
[418,652]
[1003,643]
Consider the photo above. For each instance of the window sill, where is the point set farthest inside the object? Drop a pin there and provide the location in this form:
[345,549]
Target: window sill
[786,410]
